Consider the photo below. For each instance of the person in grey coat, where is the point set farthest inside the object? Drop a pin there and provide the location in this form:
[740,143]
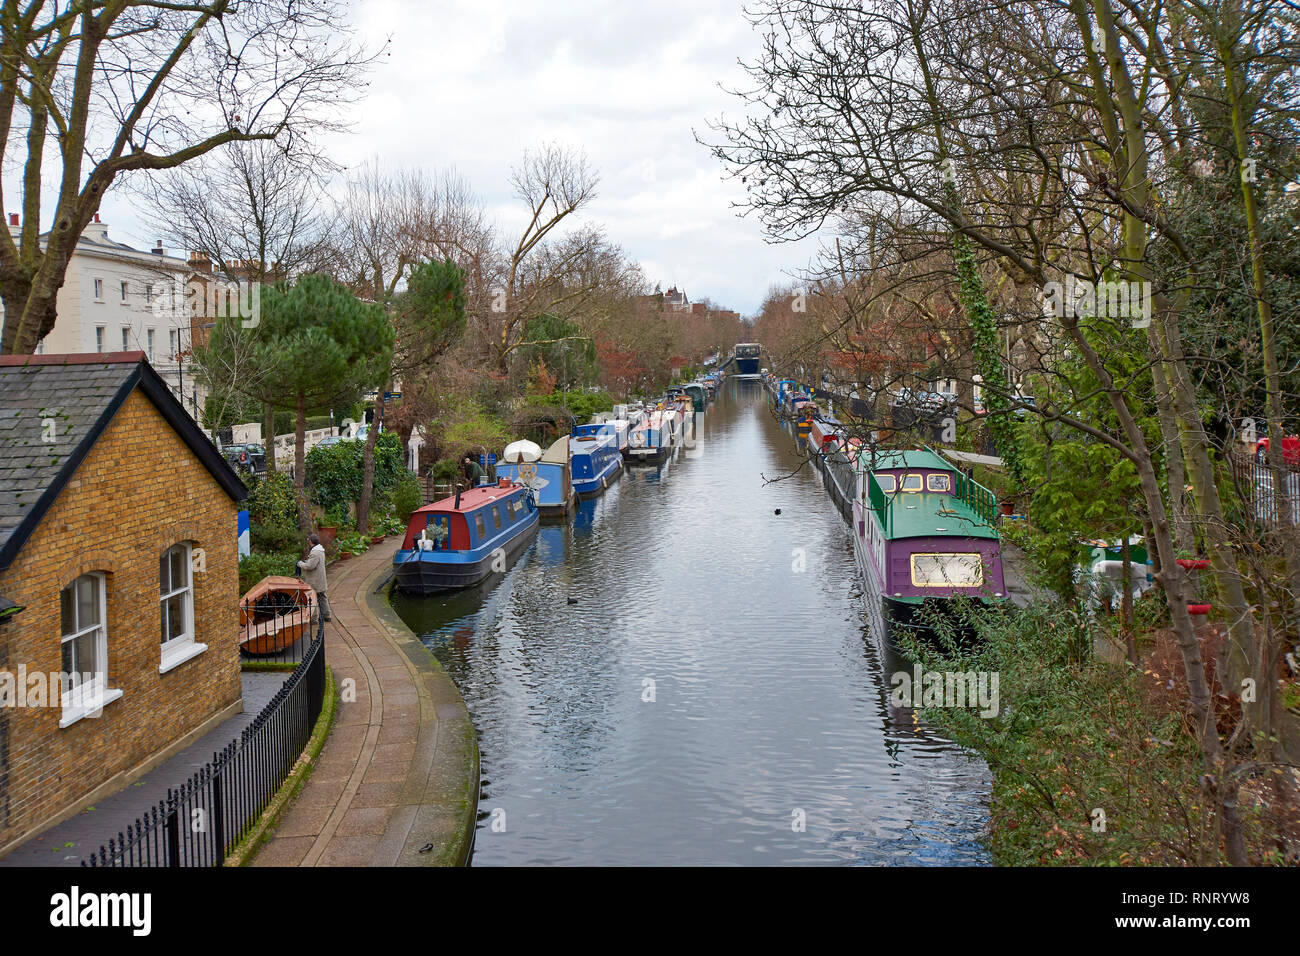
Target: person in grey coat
[313,572]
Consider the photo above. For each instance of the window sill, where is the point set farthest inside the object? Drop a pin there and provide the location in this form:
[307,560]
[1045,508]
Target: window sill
[173,659]
[93,709]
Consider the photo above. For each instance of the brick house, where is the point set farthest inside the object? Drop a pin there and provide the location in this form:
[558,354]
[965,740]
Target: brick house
[119,572]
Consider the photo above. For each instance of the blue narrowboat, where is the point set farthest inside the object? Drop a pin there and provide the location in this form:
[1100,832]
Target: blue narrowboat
[552,483]
[594,458]
[459,541]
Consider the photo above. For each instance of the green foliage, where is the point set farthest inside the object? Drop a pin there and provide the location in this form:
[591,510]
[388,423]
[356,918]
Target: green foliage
[315,343]
[430,313]
[567,351]
[1074,733]
[444,470]
[256,566]
[582,405]
[272,513]
[334,471]
[407,495]
[473,427]
[354,542]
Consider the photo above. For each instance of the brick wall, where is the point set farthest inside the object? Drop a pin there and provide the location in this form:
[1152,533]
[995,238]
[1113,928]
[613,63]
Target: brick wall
[138,492]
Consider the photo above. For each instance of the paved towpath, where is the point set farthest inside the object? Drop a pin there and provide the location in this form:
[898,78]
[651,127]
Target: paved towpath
[398,774]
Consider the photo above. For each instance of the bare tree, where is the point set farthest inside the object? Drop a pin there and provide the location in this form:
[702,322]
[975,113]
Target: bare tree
[255,212]
[146,85]
[541,271]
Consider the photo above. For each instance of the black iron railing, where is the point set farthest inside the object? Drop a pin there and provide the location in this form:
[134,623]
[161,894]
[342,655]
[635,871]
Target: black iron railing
[199,821]
[277,628]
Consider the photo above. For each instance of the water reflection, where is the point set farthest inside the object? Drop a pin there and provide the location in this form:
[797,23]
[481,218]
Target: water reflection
[680,675]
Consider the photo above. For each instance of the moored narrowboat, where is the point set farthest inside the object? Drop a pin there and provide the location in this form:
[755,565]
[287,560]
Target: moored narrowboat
[924,531]
[551,479]
[595,458]
[459,541]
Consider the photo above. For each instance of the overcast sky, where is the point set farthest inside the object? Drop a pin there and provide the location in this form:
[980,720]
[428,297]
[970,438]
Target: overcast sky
[472,84]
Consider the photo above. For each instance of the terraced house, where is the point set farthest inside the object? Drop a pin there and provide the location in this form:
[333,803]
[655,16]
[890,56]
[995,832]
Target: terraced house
[118,570]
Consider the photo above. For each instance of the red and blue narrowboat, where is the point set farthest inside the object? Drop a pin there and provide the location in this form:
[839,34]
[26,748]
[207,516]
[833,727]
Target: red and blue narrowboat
[459,541]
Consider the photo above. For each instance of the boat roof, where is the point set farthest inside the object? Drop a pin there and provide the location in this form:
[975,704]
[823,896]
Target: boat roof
[470,500]
[911,458]
[930,514]
[558,452]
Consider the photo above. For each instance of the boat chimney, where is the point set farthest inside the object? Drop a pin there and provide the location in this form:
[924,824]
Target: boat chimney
[458,497]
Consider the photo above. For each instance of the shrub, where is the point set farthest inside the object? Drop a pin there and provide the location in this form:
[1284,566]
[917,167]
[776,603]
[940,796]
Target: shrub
[407,495]
[256,566]
[354,543]
[334,471]
[272,513]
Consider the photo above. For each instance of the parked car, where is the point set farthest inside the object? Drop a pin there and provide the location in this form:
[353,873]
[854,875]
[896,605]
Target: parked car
[249,458]
[1290,450]
[329,440]
[917,398]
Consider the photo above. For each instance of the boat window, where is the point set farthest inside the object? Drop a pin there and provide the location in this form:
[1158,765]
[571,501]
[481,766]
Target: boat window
[479,525]
[496,517]
[947,570]
[912,483]
[887,483]
[938,482]
[438,530]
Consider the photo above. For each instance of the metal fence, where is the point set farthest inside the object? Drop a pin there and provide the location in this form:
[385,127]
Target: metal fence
[199,821]
[1259,488]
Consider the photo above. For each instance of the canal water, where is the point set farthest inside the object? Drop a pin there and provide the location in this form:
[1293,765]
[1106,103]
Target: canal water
[680,675]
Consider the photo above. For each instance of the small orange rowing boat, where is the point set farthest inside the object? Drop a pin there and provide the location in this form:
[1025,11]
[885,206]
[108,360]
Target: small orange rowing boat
[274,613]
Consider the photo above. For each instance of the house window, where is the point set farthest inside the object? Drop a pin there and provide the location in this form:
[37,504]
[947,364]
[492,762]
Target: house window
[99,290]
[176,607]
[99,338]
[124,293]
[148,294]
[171,343]
[84,667]
[126,338]
[149,334]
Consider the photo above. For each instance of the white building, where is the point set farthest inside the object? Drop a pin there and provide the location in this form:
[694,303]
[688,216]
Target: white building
[119,299]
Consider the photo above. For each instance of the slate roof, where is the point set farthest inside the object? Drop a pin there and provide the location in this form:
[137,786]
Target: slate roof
[53,408]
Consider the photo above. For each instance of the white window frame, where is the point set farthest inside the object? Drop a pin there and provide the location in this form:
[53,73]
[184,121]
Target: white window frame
[183,647]
[126,338]
[87,699]
[149,336]
[98,287]
[125,286]
[99,338]
[173,342]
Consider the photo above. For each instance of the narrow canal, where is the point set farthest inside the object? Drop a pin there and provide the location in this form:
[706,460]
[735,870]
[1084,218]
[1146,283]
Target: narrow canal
[712,685]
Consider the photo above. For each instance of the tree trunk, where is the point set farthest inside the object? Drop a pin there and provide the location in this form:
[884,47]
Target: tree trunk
[1126,601]
[268,426]
[300,466]
[368,460]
